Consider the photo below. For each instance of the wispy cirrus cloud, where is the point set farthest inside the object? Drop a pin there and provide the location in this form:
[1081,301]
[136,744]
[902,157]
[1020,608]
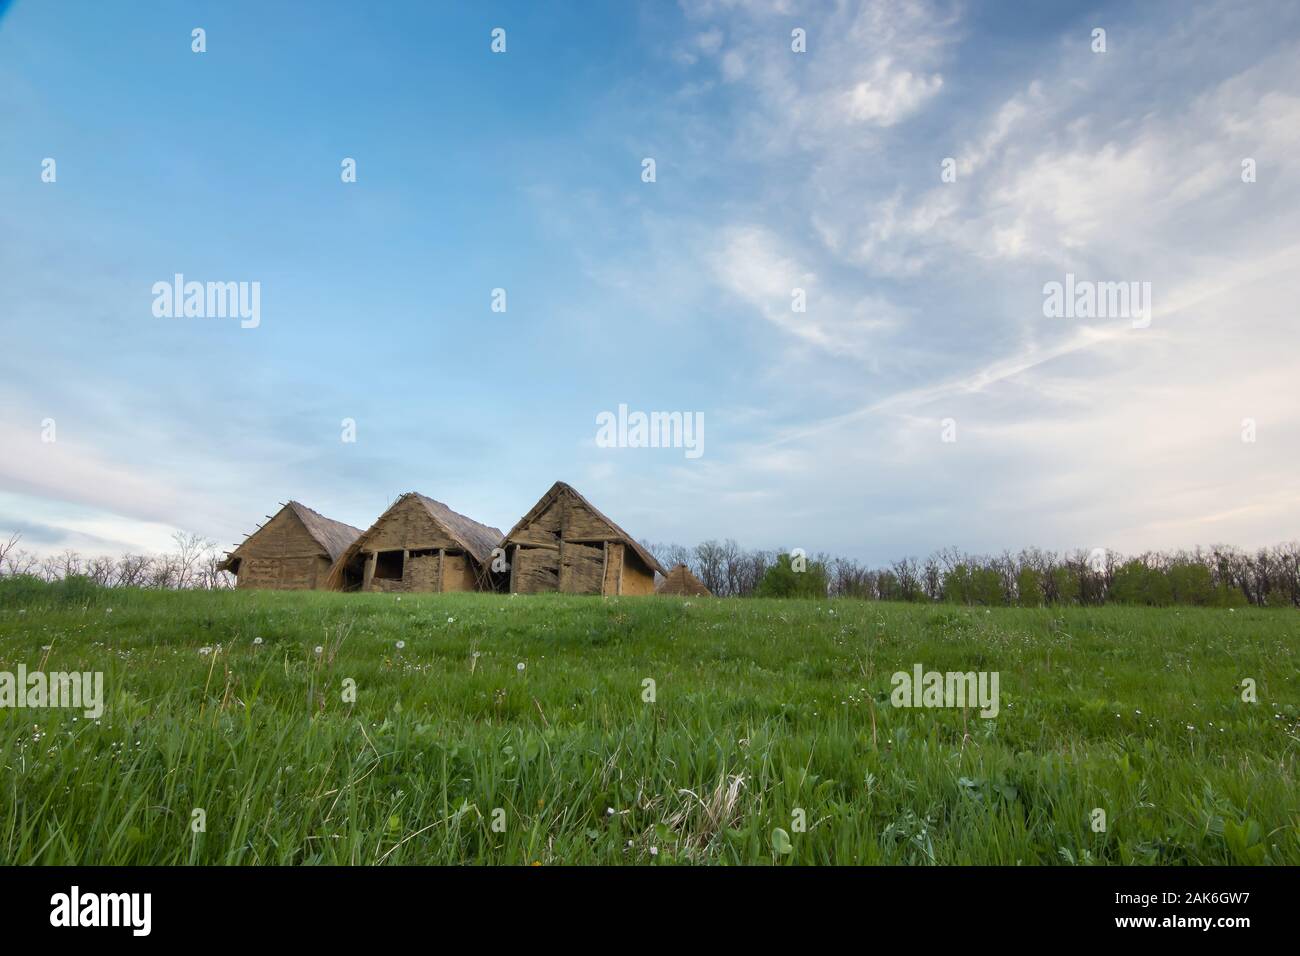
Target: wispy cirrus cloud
[1101,167]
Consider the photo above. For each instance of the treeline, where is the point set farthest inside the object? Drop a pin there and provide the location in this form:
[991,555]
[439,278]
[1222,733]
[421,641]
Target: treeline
[191,564]
[1220,576]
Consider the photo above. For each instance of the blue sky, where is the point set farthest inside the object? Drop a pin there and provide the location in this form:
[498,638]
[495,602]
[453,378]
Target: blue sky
[775,171]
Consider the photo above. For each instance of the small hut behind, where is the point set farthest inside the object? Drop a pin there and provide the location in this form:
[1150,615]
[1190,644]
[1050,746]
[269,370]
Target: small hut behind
[680,581]
[566,544]
[418,544]
[293,551]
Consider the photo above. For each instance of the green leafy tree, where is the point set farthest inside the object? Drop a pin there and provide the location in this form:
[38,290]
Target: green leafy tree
[1065,585]
[957,585]
[1029,588]
[782,580]
[1192,583]
[1136,583]
[986,587]
[964,584]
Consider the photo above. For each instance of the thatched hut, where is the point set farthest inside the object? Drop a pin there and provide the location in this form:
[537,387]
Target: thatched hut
[566,544]
[418,544]
[680,581]
[293,551]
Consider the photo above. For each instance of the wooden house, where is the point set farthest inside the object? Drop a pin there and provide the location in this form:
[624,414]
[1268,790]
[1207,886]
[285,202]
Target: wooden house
[566,544]
[418,544]
[293,551]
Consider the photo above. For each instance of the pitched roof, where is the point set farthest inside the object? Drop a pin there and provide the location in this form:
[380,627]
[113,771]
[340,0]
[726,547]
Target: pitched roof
[680,581]
[333,536]
[477,539]
[560,488]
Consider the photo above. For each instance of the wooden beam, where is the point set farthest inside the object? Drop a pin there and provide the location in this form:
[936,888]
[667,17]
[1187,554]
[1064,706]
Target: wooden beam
[537,544]
[564,523]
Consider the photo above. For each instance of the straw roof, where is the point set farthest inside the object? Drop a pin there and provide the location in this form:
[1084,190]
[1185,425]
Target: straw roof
[680,581]
[333,536]
[560,488]
[477,539]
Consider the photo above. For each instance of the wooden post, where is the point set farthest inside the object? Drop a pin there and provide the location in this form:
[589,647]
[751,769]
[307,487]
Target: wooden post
[564,529]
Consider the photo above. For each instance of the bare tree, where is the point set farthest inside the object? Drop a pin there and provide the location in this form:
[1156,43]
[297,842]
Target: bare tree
[709,554]
[189,558]
[8,547]
[133,570]
[932,577]
[211,576]
[908,576]
[70,564]
[850,579]
[733,567]
[21,562]
[753,567]
[676,554]
[102,570]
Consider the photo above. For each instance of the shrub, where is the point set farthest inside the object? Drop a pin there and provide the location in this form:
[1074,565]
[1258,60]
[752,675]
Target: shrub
[27,590]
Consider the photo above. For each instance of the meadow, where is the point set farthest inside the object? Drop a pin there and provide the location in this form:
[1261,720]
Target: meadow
[301,728]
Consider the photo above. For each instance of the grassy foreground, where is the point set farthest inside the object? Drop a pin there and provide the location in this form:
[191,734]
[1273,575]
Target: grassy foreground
[764,711]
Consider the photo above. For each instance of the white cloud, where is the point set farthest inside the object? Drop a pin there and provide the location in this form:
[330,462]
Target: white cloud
[752,264]
[868,65]
[889,95]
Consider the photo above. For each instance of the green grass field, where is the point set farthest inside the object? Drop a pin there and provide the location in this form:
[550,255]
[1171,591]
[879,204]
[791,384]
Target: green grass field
[764,710]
